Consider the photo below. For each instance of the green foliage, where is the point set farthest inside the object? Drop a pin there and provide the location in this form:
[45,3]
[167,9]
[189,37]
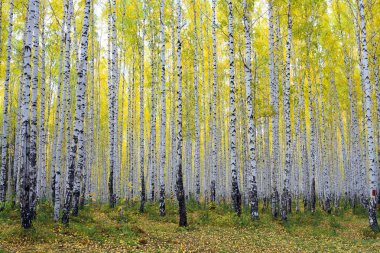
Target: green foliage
[99,228]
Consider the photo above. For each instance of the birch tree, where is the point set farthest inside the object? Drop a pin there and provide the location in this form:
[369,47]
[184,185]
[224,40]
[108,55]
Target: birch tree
[373,181]
[64,112]
[42,132]
[142,177]
[214,85]
[179,180]
[163,113]
[4,133]
[77,136]
[25,180]
[235,194]
[253,196]
[274,104]
[33,117]
[286,191]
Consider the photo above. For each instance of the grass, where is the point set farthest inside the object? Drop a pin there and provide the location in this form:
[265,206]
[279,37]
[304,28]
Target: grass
[212,229]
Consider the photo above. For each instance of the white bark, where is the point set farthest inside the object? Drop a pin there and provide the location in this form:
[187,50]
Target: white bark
[274,103]
[179,179]
[142,55]
[25,183]
[4,133]
[371,205]
[33,119]
[214,84]
[42,133]
[163,113]
[66,83]
[252,167]
[236,197]
[197,165]
[312,130]
[77,137]
[286,191]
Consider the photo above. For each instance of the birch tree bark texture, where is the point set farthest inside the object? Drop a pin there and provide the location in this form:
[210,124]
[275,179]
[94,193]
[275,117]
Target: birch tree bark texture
[77,136]
[235,194]
[370,201]
[179,180]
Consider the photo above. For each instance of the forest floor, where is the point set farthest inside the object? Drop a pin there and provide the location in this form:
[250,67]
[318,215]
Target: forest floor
[215,229]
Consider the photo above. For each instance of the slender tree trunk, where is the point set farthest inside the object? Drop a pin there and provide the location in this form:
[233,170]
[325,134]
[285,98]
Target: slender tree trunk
[142,55]
[42,133]
[33,120]
[25,169]
[252,167]
[66,83]
[371,201]
[312,130]
[57,112]
[152,145]
[286,191]
[179,179]
[235,194]
[197,165]
[214,85]
[113,94]
[77,137]
[163,113]
[274,103]
[204,104]
[4,133]
[90,151]
[296,146]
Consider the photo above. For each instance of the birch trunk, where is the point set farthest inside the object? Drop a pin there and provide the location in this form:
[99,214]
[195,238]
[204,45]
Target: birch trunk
[312,131]
[371,201]
[214,79]
[66,83]
[57,112]
[142,55]
[253,196]
[274,104]
[25,183]
[77,137]
[235,194]
[152,145]
[179,180]
[42,133]
[286,195]
[33,119]
[163,113]
[197,165]
[4,133]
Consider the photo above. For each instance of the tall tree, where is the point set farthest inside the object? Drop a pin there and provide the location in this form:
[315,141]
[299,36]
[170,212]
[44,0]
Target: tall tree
[163,113]
[42,130]
[64,112]
[235,194]
[197,158]
[286,191]
[25,182]
[371,201]
[33,119]
[77,136]
[142,55]
[179,180]
[214,85]
[253,196]
[274,103]
[4,133]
